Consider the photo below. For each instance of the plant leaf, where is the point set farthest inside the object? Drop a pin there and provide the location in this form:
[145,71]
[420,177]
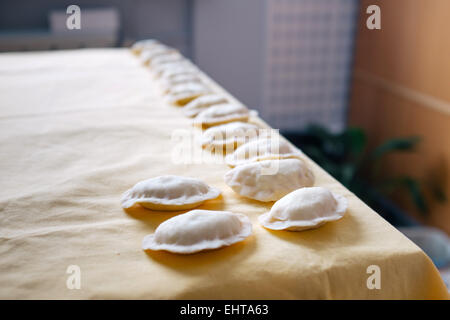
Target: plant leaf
[355,140]
[397,144]
[411,185]
[347,171]
[416,194]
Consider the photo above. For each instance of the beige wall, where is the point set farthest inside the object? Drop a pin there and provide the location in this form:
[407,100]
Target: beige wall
[401,86]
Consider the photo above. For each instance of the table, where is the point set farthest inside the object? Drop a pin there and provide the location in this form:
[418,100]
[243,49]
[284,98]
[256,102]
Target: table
[80,127]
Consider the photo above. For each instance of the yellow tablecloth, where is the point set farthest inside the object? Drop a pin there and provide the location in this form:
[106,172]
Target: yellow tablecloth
[78,128]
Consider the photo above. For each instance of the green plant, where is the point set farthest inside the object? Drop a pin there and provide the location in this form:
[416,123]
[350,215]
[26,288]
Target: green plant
[345,156]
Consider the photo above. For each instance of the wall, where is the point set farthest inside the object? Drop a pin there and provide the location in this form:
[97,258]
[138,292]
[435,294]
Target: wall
[228,45]
[309,46]
[140,19]
[401,87]
[287,59]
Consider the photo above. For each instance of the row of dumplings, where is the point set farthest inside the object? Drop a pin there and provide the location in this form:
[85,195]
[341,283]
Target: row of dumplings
[299,205]
[183,86]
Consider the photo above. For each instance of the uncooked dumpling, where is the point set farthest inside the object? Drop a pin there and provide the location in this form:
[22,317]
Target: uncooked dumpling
[229,136]
[262,149]
[142,45]
[169,83]
[305,208]
[188,86]
[199,230]
[171,69]
[185,92]
[169,193]
[148,55]
[173,57]
[179,79]
[269,180]
[221,113]
[201,103]
[174,69]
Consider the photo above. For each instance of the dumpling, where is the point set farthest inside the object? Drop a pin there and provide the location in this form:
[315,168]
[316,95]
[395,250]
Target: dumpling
[180,79]
[194,107]
[174,69]
[188,86]
[169,193]
[185,92]
[148,55]
[173,57]
[199,230]
[229,136]
[269,180]
[139,46]
[170,69]
[305,208]
[221,113]
[262,149]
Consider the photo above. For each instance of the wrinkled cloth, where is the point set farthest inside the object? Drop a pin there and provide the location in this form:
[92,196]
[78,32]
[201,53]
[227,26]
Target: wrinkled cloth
[80,127]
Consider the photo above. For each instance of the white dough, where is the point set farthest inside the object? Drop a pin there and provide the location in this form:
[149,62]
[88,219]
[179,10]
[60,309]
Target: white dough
[183,93]
[279,178]
[168,70]
[174,69]
[221,113]
[173,57]
[142,45]
[199,230]
[169,193]
[262,149]
[228,136]
[188,86]
[179,79]
[303,209]
[194,107]
[147,56]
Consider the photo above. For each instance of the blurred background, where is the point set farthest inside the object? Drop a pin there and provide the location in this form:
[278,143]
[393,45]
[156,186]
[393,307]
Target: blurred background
[372,107]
